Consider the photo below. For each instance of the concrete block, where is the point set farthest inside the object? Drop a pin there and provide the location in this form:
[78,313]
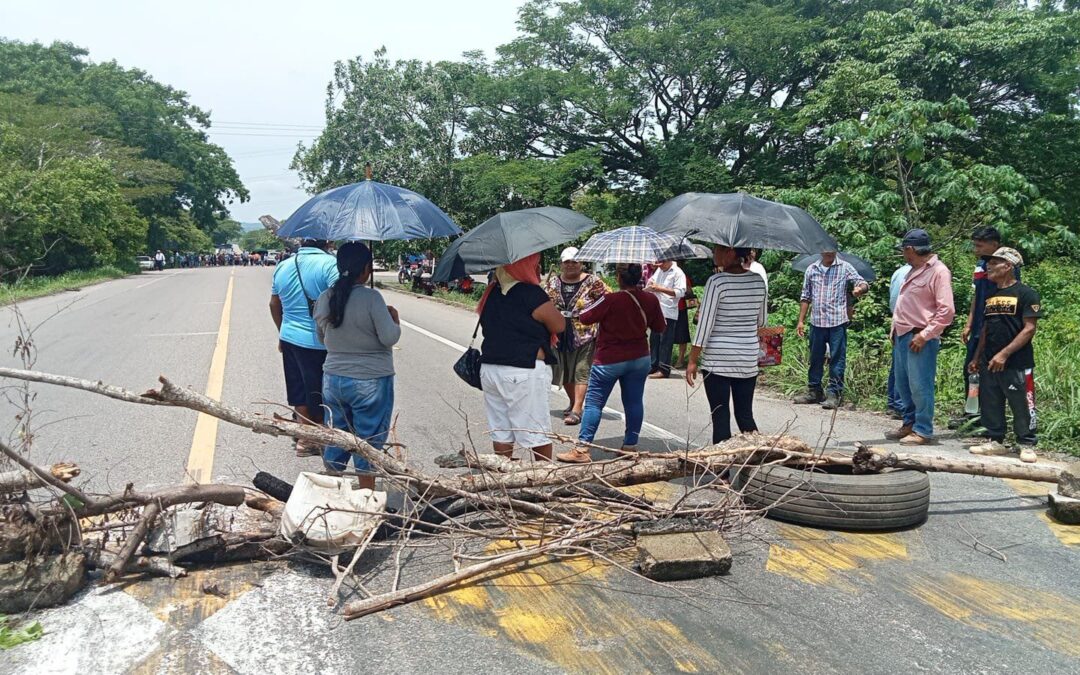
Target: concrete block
[1064,509]
[1069,481]
[48,582]
[683,555]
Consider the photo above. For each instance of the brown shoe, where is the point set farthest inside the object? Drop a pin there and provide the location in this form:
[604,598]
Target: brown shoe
[902,432]
[306,449]
[915,439]
[658,375]
[575,456]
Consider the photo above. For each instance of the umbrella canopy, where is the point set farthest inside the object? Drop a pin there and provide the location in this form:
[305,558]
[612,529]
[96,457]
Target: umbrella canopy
[509,237]
[634,245]
[688,250]
[861,265]
[740,220]
[368,211]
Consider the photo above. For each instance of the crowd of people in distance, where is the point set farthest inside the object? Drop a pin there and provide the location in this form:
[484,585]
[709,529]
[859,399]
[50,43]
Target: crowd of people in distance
[336,337]
[178,260]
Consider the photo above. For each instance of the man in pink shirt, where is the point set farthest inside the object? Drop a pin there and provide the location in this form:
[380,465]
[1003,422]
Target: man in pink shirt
[924,309]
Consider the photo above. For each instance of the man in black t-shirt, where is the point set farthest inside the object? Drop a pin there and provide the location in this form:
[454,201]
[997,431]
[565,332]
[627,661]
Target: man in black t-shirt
[1005,359]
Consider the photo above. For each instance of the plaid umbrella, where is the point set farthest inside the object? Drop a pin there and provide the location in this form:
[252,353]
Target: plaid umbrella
[634,244]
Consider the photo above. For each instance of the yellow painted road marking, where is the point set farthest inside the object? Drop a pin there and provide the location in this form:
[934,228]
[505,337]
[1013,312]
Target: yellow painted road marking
[559,611]
[1003,608]
[200,464]
[1066,534]
[817,557]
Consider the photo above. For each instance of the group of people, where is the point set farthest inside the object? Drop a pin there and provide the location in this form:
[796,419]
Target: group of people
[336,337]
[219,259]
[998,333]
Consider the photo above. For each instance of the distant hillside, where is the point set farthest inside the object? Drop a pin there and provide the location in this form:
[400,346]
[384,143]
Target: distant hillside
[248,227]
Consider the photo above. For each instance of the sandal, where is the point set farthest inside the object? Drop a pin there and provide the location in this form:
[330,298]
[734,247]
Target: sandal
[575,456]
[305,450]
[572,419]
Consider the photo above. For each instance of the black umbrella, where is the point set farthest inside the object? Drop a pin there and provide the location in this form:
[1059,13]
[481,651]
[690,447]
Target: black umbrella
[509,237]
[740,220]
[861,265]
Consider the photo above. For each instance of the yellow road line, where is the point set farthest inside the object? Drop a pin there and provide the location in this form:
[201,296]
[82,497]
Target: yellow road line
[201,458]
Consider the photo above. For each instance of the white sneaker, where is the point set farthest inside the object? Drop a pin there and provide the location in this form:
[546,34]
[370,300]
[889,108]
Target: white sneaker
[1027,454]
[993,448]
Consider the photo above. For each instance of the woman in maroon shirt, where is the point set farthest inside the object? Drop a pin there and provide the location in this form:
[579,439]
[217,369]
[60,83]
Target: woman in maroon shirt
[622,355]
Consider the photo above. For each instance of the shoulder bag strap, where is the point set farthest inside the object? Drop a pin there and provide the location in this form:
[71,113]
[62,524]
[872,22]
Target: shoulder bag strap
[643,317]
[296,261]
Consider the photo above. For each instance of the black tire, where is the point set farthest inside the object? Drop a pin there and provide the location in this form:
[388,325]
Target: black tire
[881,501]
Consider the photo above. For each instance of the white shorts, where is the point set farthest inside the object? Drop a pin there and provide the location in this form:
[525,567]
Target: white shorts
[517,402]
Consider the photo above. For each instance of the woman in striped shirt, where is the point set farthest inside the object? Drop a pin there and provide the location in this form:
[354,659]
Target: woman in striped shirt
[731,311]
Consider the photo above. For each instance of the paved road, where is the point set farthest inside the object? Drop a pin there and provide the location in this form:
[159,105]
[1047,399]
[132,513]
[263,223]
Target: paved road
[797,598]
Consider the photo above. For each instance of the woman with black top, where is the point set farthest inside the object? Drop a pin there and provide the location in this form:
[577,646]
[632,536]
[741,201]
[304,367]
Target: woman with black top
[519,322]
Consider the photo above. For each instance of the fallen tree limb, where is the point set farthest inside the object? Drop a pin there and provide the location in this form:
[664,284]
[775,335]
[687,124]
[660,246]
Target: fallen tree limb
[156,565]
[873,460]
[25,479]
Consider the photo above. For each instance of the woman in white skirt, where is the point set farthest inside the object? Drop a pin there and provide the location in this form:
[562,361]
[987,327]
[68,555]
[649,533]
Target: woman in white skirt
[519,322]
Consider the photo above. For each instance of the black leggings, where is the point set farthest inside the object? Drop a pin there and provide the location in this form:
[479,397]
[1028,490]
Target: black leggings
[739,390]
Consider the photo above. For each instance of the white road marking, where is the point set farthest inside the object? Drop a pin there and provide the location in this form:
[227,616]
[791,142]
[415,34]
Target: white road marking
[461,348]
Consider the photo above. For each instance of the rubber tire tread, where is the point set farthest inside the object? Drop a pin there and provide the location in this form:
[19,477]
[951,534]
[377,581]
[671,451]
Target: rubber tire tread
[883,501]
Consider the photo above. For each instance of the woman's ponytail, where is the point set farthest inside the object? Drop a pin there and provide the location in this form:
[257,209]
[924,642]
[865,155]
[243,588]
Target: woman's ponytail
[353,260]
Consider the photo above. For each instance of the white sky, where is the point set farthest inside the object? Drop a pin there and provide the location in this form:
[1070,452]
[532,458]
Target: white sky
[260,67]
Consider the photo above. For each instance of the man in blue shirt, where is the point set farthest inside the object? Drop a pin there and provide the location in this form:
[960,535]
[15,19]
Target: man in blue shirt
[298,283]
[825,292]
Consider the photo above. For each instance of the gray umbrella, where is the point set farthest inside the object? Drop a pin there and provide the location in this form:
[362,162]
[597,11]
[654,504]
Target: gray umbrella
[509,237]
[861,265]
[740,220]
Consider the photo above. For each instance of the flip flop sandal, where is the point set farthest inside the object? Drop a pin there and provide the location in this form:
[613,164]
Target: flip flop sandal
[572,419]
[305,450]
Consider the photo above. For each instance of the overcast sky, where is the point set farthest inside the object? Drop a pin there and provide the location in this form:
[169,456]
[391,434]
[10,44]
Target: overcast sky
[260,68]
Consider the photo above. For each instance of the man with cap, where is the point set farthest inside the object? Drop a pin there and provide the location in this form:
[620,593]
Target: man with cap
[924,309]
[297,284]
[572,291]
[1005,359]
[668,284]
[825,290]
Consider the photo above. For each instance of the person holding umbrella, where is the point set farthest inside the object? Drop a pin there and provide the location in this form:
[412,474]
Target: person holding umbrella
[622,356]
[520,324]
[571,291]
[825,290]
[359,331]
[731,311]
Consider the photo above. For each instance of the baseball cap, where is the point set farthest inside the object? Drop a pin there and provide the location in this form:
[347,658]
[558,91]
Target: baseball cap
[569,253]
[915,238]
[1010,255]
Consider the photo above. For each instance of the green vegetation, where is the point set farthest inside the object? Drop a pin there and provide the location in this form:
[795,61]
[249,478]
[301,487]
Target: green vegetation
[13,635]
[99,163]
[36,287]
[875,115]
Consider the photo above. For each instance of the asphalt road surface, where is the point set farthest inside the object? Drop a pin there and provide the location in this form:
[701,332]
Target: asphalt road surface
[797,599]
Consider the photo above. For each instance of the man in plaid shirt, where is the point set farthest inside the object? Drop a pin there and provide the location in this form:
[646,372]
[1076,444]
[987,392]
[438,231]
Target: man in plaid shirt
[825,290]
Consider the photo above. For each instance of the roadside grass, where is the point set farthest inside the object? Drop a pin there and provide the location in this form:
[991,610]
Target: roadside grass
[1057,382]
[36,287]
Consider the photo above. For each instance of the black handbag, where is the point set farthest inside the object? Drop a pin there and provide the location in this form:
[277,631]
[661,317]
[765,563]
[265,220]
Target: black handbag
[468,366]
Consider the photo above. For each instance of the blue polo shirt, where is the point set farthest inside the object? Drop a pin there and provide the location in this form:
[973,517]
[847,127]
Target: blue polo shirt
[319,271]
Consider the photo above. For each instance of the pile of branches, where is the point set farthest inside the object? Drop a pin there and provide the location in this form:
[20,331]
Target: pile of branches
[532,510]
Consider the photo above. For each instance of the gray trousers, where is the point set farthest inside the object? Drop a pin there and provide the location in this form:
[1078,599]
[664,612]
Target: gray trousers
[1015,387]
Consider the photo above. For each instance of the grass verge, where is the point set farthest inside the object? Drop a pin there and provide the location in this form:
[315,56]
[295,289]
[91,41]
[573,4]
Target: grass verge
[36,287]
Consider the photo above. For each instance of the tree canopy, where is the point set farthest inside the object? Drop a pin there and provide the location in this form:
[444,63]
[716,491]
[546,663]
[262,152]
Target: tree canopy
[100,162]
[877,115]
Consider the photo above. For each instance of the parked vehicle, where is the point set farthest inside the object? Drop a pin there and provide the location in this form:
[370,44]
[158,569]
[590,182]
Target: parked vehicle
[145,262]
[271,258]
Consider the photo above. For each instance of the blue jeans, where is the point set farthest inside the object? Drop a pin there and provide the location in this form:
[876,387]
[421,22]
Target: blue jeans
[892,397]
[836,338]
[631,376]
[916,375]
[362,407]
